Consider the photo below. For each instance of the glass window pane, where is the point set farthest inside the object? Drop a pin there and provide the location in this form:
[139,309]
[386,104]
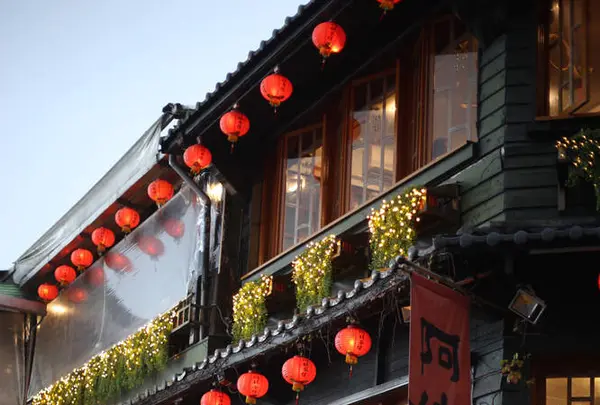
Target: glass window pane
[556,391]
[302,186]
[596,391]
[453,113]
[373,139]
[580,387]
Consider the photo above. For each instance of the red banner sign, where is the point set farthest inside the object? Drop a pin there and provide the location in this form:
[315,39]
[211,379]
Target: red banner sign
[440,354]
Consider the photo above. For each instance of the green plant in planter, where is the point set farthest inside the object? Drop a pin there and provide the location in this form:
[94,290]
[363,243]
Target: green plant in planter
[312,273]
[392,226]
[249,308]
[583,152]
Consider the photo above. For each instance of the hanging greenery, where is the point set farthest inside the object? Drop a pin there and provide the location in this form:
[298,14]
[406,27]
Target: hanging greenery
[514,368]
[312,272]
[249,309]
[392,227]
[121,368]
[583,152]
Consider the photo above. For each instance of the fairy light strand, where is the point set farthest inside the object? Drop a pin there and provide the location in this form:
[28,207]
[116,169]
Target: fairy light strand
[392,226]
[120,368]
[582,151]
[249,309]
[312,273]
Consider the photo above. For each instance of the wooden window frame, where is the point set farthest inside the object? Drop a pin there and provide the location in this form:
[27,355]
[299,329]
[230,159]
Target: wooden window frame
[543,60]
[271,240]
[564,367]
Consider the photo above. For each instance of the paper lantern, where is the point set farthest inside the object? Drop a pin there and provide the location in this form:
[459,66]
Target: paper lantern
[160,191]
[117,261]
[197,157]
[150,245]
[174,227]
[388,5]
[77,295]
[65,275]
[299,372]
[103,238]
[214,397]
[95,276]
[276,88]
[82,258]
[127,219]
[353,342]
[234,124]
[47,292]
[329,38]
[253,385]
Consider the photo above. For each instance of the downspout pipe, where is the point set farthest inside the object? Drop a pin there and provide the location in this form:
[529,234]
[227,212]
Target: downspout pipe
[202,297]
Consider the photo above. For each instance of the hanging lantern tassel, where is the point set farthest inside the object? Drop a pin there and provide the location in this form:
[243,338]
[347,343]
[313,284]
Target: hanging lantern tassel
[387,5]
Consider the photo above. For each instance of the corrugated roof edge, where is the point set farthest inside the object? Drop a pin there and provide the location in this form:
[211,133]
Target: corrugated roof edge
[309,10]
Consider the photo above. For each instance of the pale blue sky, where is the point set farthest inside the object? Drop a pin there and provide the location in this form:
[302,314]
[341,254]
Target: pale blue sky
[80,80]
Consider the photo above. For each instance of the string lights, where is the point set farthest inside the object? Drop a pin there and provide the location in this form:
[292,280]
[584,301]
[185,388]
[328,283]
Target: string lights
[120,368]
[249,309]
[582,151]
[392,227]
[312,273]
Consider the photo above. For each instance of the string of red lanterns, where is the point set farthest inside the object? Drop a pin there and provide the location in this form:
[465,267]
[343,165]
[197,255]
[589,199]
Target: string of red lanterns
[215,397]
[276,88]
[82,258]
[47,292]
[299,372]
[234,124]
[103,238]
[65,275]
[127,219]
[160,191]
[352,342]
[252,385]
[388,5]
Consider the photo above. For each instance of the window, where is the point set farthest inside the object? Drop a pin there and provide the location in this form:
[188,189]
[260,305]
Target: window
[570,57]
[372,137]
[302,179]
[453,111]
[573,391]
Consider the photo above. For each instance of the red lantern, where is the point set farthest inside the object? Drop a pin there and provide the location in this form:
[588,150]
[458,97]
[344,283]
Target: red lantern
[197,157]
[127,218]
[150,245]
[276,88]
[388,5]
[298,371]
[117,261]
[65,275]
[329,38]
[103,238]
[214,397]
[234,124]
[95,276]
[47,292]
[253,385]
[82,258]
[77,295]
[174,227]
[160,191]
[353,342]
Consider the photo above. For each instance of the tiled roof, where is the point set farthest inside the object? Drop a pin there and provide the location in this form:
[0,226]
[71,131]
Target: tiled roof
[541,235]
[379,284]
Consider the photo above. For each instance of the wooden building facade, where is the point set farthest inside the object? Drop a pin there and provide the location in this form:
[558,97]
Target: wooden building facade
[475,110]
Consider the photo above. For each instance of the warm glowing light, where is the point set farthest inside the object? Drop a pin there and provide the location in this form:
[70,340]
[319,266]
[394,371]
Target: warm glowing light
[215,191]
[57,309]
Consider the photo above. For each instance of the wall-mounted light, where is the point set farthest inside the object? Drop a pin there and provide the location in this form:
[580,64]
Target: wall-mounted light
[527,305]
[215,191]
[406,314]
[57,309]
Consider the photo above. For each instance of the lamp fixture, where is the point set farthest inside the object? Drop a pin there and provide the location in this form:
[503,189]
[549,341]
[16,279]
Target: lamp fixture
[527,305]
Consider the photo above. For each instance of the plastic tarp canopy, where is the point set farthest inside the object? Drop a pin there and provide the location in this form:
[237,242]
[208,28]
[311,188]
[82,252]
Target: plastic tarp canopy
[136,162]
[12,358]
[142,277]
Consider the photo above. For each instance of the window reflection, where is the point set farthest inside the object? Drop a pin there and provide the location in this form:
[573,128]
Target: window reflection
[302,186]
[454,107]
[373,139]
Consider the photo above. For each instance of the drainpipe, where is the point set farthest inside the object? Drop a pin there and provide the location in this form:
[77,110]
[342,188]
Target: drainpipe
[201,299]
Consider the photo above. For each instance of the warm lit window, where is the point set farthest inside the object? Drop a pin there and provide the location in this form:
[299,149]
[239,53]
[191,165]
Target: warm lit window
[302,185]
[373,138]
[453,110]
[571,57]
[573,390]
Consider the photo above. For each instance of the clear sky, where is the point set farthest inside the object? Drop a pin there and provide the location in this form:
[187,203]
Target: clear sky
[80,80]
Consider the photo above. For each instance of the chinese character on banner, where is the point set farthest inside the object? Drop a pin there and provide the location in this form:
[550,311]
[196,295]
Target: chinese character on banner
[440,353]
